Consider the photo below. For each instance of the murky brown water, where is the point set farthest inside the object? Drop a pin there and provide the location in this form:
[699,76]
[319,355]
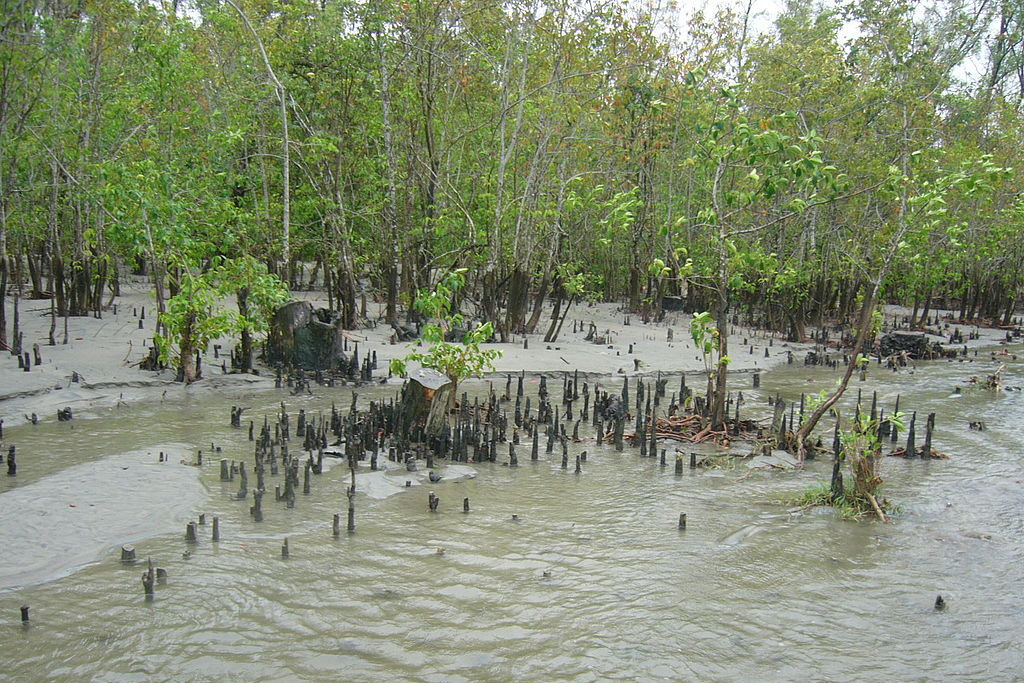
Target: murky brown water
[747,592]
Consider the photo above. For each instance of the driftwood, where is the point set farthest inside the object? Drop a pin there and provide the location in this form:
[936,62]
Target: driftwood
[692,428]
[902,453]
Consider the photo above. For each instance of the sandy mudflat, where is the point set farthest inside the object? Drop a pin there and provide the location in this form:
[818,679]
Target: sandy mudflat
[105,354]
[75,516]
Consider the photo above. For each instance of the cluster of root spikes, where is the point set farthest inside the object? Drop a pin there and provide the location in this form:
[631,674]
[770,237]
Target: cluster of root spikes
[696,429]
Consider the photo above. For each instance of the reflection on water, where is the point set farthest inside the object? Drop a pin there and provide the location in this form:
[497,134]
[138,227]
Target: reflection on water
[593,580]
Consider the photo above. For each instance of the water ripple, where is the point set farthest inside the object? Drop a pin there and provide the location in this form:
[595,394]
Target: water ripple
[593,582]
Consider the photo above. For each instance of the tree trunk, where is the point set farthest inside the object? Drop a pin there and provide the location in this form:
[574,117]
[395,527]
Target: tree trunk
[390,211]
[345,296]
[3,241]
[187,354]
[3,302]
[1011,303]
[863,325]
[634,286]
[329,288]
[35,276]
[441,406]
[553,336]
[96,293]
[717,406]
[797,327]
[158,280]
[59,289]
[538,305]
[972,312]
[53,322]
[555,310]
[16,333]
[923,320]
[245,357]
[489,295]
[721,315]
[282,97]
[515,310]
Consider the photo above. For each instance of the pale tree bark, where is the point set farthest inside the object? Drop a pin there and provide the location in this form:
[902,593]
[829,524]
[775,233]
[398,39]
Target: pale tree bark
[3,252]
[717,385]
[509,133]
[391,206]
[343,234]
[282,98]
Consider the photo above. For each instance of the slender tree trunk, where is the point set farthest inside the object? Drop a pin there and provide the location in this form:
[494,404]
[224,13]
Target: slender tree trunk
[538,304]
[3,233]
[187,355]
[1011,303]
[97,292]
[923,320]
[286,164]
[797,324]
[35,275]
[721,314]
[158,281]
[79,280]
[60,290]
[717,411]
[390,252]
[964,300]
[345,296]
[345,279]
[3,301]
[555,311]
[553,336]
[317,266]
[515,309]
[508,144]
[867,308]
[634,281]
[53,321]
[242,298]
[16,332]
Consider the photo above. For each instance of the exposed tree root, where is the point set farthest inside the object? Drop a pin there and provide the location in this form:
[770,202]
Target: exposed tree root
[692,429]
[902,453]
[878,509]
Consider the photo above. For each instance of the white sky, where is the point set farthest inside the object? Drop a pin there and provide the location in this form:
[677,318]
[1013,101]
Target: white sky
[764,12]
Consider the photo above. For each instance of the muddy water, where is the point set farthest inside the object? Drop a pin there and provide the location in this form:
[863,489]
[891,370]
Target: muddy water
[592,582]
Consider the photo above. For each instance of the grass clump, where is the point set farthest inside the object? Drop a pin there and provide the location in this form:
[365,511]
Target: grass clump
[845,504]
[822,495]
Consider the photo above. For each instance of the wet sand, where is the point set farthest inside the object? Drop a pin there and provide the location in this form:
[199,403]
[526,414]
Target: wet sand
[105,354]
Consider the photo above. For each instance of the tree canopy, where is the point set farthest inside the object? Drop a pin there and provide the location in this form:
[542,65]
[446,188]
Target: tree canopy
[384,143]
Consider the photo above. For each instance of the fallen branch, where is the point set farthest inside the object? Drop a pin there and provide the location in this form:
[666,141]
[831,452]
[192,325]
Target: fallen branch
[878,510]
